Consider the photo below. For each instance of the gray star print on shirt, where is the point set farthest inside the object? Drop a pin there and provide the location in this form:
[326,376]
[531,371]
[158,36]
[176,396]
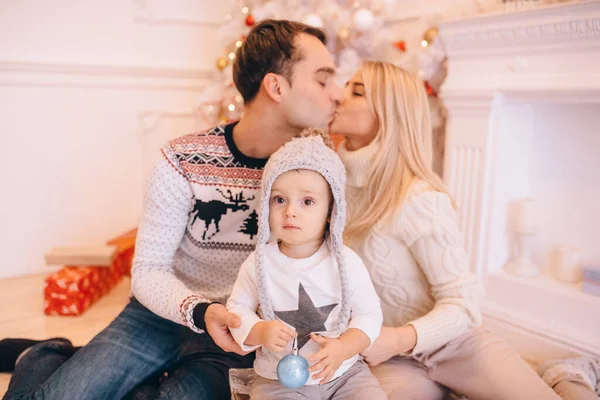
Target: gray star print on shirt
[307,318]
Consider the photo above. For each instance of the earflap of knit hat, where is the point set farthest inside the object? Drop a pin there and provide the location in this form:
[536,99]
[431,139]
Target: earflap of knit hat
[336,244]
[263,235]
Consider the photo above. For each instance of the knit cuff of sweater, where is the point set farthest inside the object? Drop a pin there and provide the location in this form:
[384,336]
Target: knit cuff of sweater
[434,332]
[198,315]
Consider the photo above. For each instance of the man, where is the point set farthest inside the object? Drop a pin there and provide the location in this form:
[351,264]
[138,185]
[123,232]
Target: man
[198,225]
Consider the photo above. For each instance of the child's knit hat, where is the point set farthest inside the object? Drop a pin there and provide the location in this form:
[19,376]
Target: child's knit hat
[309,153]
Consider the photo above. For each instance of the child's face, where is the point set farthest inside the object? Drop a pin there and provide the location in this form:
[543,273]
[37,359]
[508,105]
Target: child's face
[299,207]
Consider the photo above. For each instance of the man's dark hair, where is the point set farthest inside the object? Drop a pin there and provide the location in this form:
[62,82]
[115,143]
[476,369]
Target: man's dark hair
[269,47]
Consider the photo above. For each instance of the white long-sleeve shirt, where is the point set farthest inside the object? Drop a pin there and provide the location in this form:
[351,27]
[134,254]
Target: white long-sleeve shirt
[304,285]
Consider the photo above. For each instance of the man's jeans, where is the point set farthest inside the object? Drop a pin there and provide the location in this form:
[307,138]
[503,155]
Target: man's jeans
[138,347]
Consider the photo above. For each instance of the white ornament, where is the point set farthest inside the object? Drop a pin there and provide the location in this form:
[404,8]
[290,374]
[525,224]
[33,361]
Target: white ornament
[313,20]
[363,19]
[349,56]
[523,227]
[269,9]
[348,64]
[431,60]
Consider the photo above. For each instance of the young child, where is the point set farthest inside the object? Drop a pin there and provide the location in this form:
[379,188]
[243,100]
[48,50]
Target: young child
[306,284]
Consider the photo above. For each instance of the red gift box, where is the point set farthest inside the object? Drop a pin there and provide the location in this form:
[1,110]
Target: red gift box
[125,244]
[72,290]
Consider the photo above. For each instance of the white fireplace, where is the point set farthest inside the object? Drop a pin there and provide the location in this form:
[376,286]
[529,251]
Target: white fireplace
[523,97]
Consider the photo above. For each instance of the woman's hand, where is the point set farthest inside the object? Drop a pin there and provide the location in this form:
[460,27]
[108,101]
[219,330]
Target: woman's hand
[391,342]
[335,351]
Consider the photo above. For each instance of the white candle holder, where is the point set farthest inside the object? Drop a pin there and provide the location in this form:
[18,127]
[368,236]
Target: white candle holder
[567,264]
[522,264]
[524,227]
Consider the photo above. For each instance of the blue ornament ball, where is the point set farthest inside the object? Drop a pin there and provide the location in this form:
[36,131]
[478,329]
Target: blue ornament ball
[292,371]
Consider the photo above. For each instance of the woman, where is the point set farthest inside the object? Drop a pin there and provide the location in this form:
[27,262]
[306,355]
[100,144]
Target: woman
[403,224]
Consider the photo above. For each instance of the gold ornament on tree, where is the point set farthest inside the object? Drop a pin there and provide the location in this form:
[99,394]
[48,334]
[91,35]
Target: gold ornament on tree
[343,34]
[430,35]
[222,63]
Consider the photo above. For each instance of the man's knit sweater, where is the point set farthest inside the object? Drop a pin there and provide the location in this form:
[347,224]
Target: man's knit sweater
[198,226]
[417,261]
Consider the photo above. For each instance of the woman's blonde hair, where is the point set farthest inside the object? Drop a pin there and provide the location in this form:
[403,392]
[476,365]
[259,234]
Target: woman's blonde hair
[398,100]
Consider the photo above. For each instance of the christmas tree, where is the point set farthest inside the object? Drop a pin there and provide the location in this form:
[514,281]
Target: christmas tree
[250,226]
[355,31]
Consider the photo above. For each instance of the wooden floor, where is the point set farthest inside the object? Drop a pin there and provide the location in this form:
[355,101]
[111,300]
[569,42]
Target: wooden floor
[22,314]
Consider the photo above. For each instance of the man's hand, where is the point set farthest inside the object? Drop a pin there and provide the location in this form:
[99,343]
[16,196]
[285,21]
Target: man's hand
[218,320]
[329,358]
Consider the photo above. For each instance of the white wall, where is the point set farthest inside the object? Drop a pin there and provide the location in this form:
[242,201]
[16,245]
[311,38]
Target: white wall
[88,92]
[564,179]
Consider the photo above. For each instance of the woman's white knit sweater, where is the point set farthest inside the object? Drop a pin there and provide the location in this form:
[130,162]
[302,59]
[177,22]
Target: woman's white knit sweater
[417,261]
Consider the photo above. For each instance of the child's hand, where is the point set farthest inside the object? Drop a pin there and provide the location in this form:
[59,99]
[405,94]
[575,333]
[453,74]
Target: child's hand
[276,335]
[330,357]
